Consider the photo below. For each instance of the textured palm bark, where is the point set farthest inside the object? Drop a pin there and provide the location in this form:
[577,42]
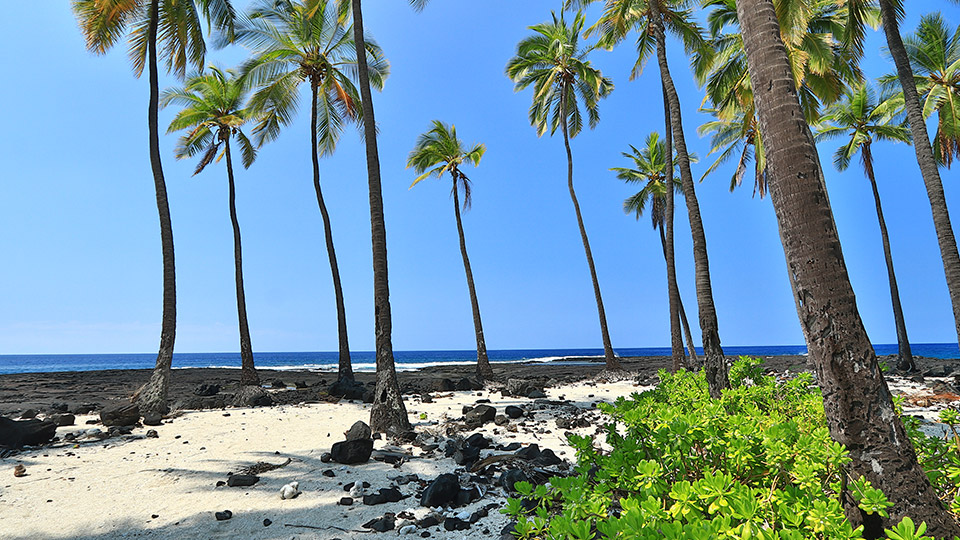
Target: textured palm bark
[484,371]
[248,371]
[679,360]
[152,397]
[694,361]
[345,368]
[714,364]
[612,363]
[858,405]
[388,413]
[666,238]
[928,165]
[905,355]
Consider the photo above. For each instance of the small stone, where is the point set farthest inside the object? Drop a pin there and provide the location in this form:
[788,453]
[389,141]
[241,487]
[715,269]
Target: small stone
[154,516]
[441,492]
[501,420]
[329,473]
[19,471]
[242,480]
[359,430]
[382,496]
[345,501]
[64,419]
[123,415]
[267,522]
[454,524]
[152,419]
[223,516]
[290,491]
[536,394]
[479,415]
[510,477]
[382,524]
[152,434]
[513,411]
[326,457]
[407,529]
[352,451]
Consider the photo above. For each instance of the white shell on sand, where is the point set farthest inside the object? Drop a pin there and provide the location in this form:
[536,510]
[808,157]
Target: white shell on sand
[290,491]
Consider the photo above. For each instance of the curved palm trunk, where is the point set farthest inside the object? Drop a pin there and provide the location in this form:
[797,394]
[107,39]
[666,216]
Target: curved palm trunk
[691,347]
[858,405]
[612,363]
[714,364]
[484,371]
[152,397]
[905,356]
[388,413]
[345,371]
[666,238]
[248,372]
[928,165]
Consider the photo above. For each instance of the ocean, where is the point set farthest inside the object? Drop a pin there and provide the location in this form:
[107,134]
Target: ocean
[405,360]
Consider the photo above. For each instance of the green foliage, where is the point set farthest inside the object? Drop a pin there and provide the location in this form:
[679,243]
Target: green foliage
[757,463]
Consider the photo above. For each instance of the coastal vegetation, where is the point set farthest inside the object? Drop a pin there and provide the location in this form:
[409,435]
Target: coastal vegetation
[725,452]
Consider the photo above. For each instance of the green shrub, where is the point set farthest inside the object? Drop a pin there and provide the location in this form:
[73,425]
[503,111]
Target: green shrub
[758,463]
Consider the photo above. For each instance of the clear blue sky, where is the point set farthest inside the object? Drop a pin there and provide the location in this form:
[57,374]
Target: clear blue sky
[81,271]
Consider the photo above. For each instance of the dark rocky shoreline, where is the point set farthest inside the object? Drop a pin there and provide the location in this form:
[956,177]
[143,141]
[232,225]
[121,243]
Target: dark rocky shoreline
[93,390]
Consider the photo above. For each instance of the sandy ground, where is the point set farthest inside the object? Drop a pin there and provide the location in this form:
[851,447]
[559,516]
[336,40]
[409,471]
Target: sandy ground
[165,487]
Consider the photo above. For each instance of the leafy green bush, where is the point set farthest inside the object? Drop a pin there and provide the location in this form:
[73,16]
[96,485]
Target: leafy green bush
[758,463]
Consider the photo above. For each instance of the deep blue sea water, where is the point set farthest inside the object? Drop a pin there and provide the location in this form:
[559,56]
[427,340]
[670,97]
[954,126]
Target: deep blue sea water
[406,360]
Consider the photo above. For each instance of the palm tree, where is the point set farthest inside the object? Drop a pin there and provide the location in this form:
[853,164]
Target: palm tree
[822,66]
[554,63]
[934,53]
[213,111]
[175,27]
[892,11]
[436,152]
[650,20]
[858,405]
[859,118]
[388,413]
[650,170]
[296,43]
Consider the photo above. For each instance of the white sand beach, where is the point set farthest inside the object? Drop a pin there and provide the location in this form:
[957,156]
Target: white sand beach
[165,487]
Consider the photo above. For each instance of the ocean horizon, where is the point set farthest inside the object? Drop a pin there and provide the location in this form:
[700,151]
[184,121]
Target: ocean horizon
[405,360]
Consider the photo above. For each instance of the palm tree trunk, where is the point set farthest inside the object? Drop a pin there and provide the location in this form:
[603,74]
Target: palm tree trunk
[858,405]
[388,413]
[345,371]
[248,371]
[905,356]
[612,363]
[928,165]
[691,347]
[714,364]
[682,316]
[666,229]
[152,397]
[484,371]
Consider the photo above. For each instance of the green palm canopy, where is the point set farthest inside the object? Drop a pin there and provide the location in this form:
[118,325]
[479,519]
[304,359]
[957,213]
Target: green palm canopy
[213,110]
[296,42]
[555,64]
[649,170]
[440,151]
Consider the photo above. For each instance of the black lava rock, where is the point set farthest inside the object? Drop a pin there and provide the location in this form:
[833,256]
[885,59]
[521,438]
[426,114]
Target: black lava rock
[479,415]
[477,440]
[444,385]
[326,457]
[346,501]
[267,522]
[510,477]
[152,434]
[348,390]
[63,419]
[205,390]
[384,495]
[466,455]
[122,415]
[466,496]
[531,452]
[513,411]
[15,434]
[152,419]
[223,516]
[352,452]
[242,480]
[455,524]
[468,384]
[441,492]
[547,458]
[383,524]
[329,473]
[359,430]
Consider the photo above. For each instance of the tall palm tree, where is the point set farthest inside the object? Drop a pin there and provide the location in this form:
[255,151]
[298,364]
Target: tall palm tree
[555,64]
[439,151]
[892,11]
[177,28]
[650,20]
[650,170]
[295,43]
[858,405]
[213,112]
[388,413]
[934,53]
[859,119]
